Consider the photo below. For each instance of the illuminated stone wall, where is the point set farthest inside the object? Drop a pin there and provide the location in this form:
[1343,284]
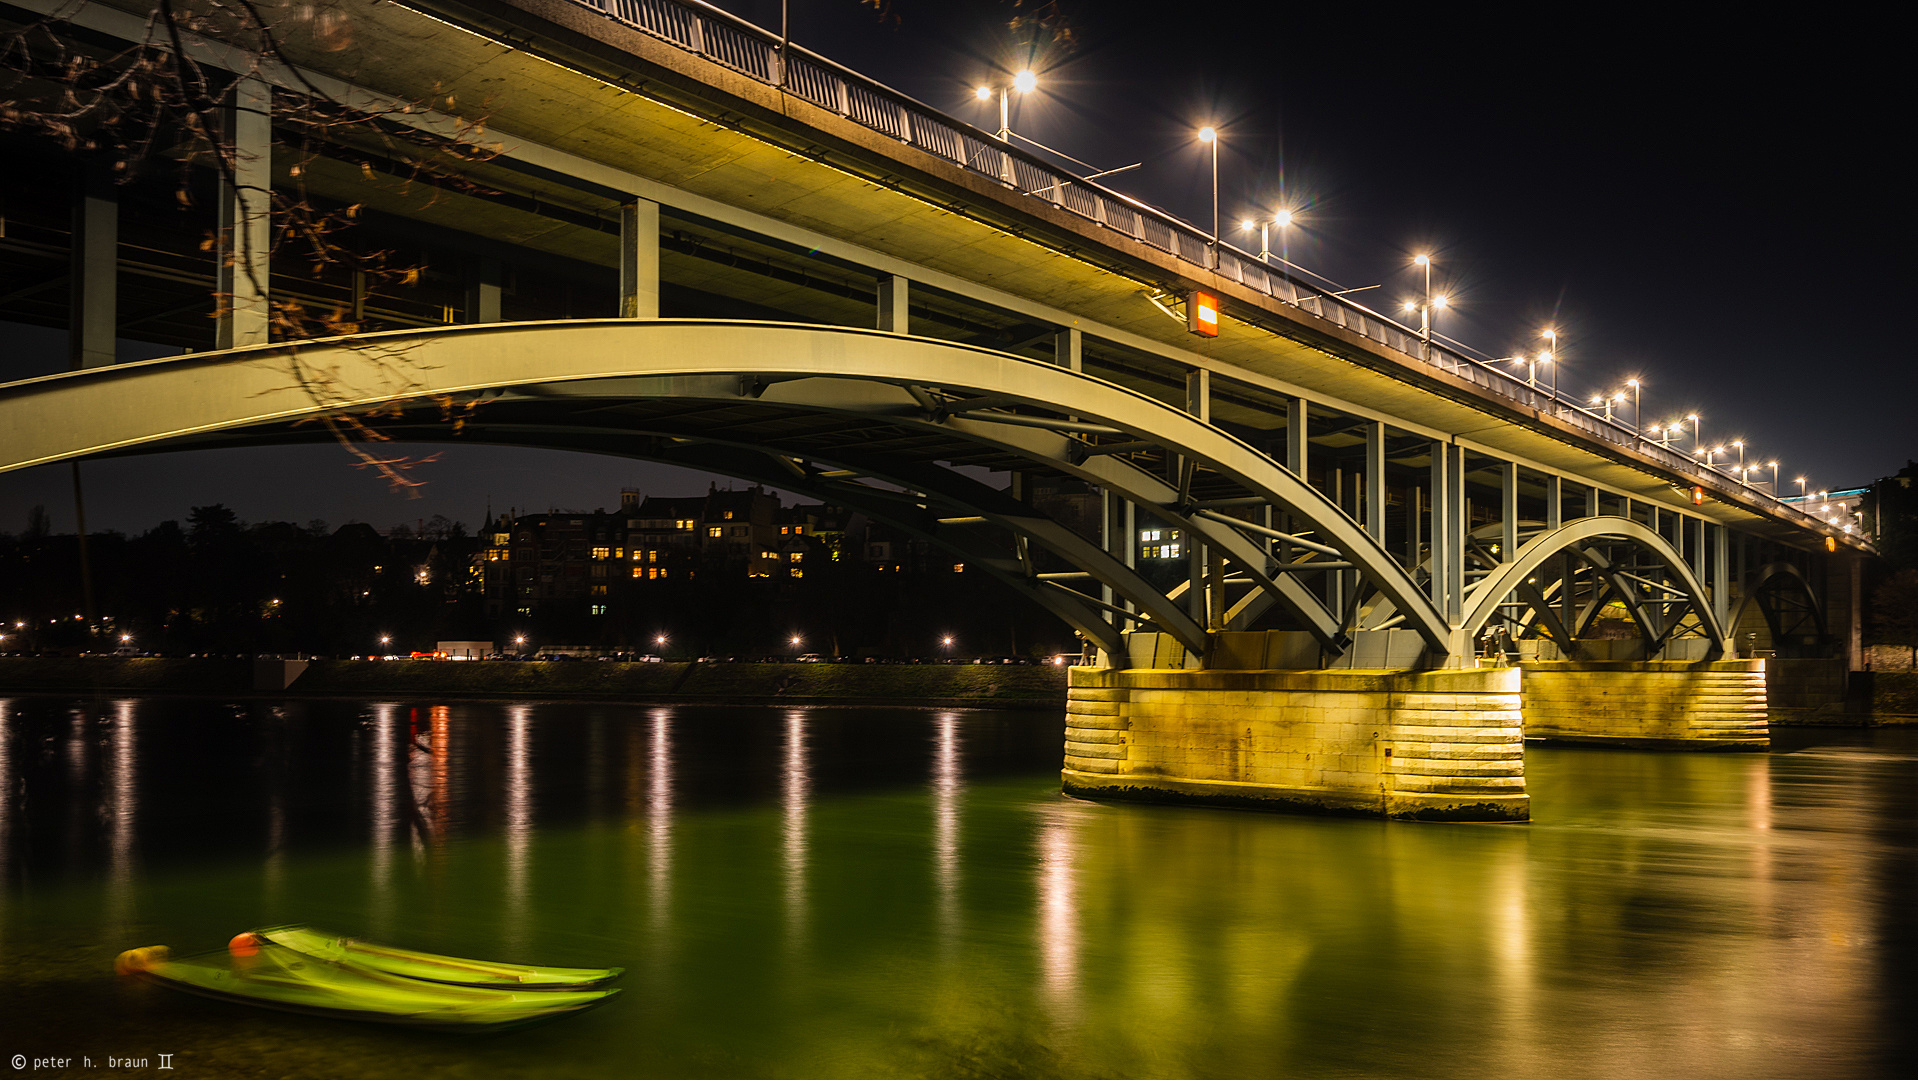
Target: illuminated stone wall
[1442,745]
[1717,705]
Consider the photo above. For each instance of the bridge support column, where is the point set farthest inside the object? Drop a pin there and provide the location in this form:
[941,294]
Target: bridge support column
[639,260]
[246,219]
[93,270]
[1704,705]
[1430,745]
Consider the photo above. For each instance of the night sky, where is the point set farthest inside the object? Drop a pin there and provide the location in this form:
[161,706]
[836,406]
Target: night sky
[1709,205]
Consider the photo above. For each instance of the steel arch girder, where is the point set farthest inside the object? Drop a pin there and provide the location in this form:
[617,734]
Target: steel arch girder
[1534,553]
[120,406]
[1763,576]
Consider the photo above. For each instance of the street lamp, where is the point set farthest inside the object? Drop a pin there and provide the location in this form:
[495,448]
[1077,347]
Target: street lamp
[1741,451]
[1697,446]
[1633,383]
[1425,309]
[1282,219]
[1801,487]
[1773,466]
[1210,136]
[1024,82]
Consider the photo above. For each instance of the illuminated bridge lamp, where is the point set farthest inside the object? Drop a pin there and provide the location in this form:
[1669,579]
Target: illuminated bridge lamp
[1202,313]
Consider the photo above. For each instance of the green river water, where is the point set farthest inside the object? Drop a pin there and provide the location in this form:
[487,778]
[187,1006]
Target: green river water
[830,892]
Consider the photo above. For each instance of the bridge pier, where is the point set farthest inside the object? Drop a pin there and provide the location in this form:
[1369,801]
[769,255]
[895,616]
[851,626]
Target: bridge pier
[1431,745]
[1680,705]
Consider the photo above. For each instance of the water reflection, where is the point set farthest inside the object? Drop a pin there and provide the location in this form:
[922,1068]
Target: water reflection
[793,794]
[936,908]
[947,778]
[122,810]
[518,830]
[383,793]
[659,828]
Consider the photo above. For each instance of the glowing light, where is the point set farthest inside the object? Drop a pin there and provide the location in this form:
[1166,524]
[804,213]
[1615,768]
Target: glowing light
[1421,260]
[982,93]
[1283,217]
[1440,301]
[1024,82]
[1248,225]
[1207,134]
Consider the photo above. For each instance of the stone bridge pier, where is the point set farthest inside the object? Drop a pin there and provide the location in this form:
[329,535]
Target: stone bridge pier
[1437,744]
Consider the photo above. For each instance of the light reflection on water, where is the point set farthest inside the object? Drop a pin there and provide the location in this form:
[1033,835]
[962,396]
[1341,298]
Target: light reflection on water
[873,892]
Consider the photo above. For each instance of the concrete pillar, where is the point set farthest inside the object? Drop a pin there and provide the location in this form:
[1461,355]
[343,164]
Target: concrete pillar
[1508,511]
[894,304]
[246,218]
[1068,349]
[1297,434]
[93,269]
[1460,523]
[1439,559]
[483,291]
[1198,402]
[639,260]
[1375,480]
[1721,582]
[1554,502]
[1591,502]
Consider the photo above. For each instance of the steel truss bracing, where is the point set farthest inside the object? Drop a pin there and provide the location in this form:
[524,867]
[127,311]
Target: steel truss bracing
[1561,582]
[1785,600]
[876,420]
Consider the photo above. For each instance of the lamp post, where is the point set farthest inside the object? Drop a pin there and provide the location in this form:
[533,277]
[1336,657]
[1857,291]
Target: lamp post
[1024,82]
[1425,309]
[1801,488]
[1210,136]
[1633,383]
[1697,446]
[1709,454]
[1740,443]
[1281,219]
[1773,466]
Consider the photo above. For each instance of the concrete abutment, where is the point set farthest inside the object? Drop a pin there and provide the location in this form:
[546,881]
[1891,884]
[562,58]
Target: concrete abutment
[1678,705]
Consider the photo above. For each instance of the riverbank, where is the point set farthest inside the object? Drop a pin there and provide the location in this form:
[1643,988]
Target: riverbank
[1874,699]
[999,686]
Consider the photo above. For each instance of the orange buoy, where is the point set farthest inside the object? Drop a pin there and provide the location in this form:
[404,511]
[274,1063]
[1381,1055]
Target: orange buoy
[244,944]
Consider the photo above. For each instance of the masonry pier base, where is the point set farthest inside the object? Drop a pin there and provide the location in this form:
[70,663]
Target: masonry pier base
[1676,705]
[1430,745]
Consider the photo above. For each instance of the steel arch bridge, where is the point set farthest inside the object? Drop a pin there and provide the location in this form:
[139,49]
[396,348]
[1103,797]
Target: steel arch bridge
[888,424]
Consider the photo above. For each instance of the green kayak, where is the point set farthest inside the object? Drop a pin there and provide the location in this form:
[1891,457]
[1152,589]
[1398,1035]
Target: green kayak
[431,968]
[276,977]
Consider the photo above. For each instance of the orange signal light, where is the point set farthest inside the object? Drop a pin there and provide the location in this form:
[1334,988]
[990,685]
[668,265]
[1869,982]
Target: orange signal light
[1202,313]
[1698,496]
[1831,543]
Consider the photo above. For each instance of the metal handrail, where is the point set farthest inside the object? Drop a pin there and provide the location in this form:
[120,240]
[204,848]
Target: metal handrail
[757,53]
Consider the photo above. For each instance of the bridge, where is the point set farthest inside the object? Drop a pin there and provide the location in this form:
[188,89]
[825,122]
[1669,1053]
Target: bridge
[1376,563]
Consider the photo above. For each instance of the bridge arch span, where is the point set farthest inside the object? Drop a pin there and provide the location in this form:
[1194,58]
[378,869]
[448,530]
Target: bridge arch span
[899,410]
[1586,539]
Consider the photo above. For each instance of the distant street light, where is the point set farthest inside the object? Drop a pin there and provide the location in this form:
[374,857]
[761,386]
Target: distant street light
[1739,443]
[1697,446]
[1024,82]
[1773,466]
[1633,383]
[1801,486]
[1210,136]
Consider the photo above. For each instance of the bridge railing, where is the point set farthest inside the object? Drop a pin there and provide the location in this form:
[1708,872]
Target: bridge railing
[752,51]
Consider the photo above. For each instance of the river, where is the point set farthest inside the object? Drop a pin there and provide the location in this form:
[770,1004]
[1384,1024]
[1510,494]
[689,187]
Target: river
[883,892]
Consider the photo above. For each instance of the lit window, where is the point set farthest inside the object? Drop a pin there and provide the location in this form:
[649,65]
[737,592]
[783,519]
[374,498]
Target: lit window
[958,568]
[639,572]
[1172,551]
[599,609]
[636,556]
[795,556]
[602,552]
[728,515]
[599,590]
[715,532]
[797,572]
[684,524]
